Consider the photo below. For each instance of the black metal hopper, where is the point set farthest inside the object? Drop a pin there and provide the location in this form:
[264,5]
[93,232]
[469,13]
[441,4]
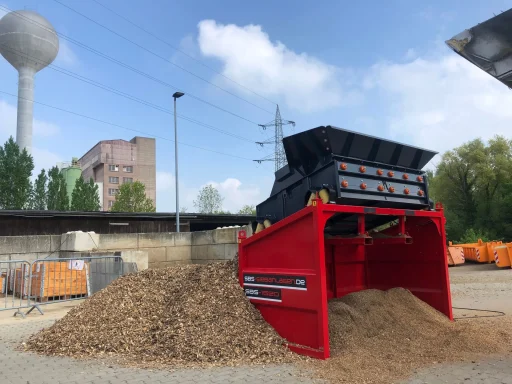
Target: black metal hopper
[355,169]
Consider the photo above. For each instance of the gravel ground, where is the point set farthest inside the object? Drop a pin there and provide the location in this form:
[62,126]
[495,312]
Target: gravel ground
[473,286]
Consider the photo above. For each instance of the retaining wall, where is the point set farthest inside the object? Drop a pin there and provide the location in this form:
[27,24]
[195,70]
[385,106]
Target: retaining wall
[163,249]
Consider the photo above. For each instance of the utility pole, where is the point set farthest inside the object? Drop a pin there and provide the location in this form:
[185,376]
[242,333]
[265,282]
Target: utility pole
[277,140]
[176,95]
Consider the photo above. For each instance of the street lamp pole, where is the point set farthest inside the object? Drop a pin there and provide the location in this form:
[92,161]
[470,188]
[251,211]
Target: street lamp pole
[176,95]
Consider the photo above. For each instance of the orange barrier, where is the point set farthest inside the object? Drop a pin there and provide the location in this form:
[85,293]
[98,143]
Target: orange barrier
[478,252]
[455,255]
[490,249]
[503,255]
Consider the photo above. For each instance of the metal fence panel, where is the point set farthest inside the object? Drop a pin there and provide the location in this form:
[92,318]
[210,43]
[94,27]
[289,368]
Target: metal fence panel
[105,271]
[14,285]
[26,285]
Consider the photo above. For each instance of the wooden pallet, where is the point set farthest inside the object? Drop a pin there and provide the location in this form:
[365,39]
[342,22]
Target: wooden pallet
[58,298]
[56,279]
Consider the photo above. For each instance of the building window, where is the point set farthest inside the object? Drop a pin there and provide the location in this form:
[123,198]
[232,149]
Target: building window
[113,180]
[110,203]
[113,168]
[127,179]
[128,169]
[113,192]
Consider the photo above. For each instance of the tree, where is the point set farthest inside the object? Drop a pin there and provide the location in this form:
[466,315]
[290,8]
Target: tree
[78,195]
[92,196]
[15,171]
[85,196]
[40,197]
[132,198]
[58,199]
[63,199]
[472,181]
[247,210]
[208,200]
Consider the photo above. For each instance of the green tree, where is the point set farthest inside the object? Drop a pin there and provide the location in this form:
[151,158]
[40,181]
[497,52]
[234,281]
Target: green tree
[40,196]
[78,195]
[472,183]
[132,198]
[85,196]
[209,200]
[472,236]
[15,171]
[58,199]
[63,199]
[247,210]
[92,196]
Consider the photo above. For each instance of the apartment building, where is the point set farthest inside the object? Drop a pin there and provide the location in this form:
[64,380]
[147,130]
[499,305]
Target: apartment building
[114,162]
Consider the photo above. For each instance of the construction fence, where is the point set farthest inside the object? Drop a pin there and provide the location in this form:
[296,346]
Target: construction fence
[25,286]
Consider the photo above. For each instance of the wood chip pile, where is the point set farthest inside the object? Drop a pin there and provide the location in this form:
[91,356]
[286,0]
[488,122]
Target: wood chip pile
[194,315]
[381,336]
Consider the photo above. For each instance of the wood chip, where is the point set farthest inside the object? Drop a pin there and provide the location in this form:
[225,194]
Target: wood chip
[194,315]
[381,336]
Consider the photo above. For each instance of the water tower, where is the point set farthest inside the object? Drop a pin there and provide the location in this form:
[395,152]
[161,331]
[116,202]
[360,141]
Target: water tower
[29,42]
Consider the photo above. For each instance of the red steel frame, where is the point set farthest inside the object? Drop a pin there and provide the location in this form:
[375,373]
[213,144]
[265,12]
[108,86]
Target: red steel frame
[411,255]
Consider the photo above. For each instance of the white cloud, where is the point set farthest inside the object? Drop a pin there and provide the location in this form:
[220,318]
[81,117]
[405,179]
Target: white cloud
[411,54]
[8,117]
[235,193]
[439,103]
[250,58]
[43,158]
[66,55]
[164,181]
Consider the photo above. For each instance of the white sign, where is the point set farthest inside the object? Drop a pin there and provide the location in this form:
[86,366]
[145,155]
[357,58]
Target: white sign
[76,265]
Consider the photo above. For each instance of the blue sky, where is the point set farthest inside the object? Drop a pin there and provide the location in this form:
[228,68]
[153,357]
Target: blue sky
[375,67]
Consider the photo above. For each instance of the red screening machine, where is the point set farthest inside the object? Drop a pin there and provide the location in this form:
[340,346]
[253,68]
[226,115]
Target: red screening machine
[331,247]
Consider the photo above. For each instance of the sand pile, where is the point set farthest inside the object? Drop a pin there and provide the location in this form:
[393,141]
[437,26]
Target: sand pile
[181,316]
[379,336]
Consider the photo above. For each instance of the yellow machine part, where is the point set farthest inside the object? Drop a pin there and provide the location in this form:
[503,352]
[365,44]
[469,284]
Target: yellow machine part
[260,227]
[455,255]
[503,255]
[323,194]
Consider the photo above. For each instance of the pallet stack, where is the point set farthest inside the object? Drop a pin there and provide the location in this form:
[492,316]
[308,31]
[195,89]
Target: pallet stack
[58,280]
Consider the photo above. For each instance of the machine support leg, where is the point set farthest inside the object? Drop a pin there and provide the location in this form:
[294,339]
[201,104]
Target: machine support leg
[401,225]
[360,225]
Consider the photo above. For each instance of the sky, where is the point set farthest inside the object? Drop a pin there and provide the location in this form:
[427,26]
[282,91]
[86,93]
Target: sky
[380,68]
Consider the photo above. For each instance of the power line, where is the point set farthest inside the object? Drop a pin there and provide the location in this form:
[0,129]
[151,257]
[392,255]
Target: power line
[122,127]
[181,51]
[121,93]
[124,65]
[157,55]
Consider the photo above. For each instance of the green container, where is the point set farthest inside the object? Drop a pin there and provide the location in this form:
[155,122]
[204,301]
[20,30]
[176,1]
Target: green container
[71,175]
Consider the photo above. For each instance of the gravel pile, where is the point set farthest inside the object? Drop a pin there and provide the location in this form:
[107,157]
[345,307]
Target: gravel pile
[381,336]
[194,315]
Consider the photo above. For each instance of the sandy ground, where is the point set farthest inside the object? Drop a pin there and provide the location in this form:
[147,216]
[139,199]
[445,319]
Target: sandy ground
[481,286]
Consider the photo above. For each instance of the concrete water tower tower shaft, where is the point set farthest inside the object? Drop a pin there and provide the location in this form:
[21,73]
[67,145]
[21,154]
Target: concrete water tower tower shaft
[29,43]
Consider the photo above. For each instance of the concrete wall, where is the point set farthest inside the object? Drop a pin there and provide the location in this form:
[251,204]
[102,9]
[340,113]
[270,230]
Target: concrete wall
[163,249]
[29,248]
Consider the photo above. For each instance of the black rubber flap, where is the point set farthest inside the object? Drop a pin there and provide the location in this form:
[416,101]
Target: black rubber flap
[488,45]
[310,148]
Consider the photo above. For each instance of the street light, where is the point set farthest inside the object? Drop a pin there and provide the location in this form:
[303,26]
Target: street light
[176,95]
